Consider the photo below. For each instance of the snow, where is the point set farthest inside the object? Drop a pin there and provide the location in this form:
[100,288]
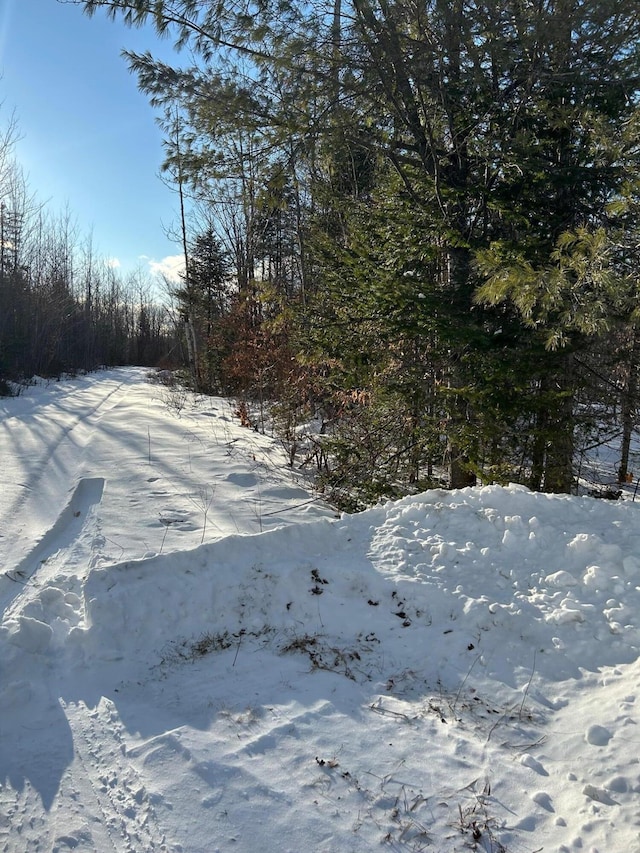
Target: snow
[198,655]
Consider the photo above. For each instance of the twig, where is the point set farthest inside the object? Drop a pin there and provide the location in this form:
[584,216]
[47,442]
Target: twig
[166,530]
[235,658]
[295,506]
[203,500]
[464,681]
[533,669]
[257,508]
[15,580]
[502,717]
[380,709]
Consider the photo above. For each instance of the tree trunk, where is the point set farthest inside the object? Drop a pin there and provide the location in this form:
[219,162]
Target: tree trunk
[558,474]
[538,452]
[458,274]
[628,405]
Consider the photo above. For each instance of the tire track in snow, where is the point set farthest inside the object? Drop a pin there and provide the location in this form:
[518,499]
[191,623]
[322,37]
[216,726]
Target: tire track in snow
[22,583]
[58,446]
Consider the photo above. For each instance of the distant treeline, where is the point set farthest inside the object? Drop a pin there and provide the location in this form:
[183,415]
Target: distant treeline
[63,308]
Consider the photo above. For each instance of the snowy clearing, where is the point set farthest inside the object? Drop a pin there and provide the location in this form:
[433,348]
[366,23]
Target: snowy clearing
[196,655]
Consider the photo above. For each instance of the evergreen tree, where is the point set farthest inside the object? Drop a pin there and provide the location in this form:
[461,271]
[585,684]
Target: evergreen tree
[459,160]
[203,301]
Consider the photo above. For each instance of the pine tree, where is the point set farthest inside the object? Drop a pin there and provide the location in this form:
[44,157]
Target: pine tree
[459,160]
[203,302]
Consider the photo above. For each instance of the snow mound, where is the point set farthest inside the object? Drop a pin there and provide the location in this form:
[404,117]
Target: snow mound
[453,571]
[196,656]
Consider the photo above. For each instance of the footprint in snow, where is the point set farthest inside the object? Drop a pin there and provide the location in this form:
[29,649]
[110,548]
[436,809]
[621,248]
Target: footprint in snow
[528,760]
[597,735]
[599,795]
[543,799]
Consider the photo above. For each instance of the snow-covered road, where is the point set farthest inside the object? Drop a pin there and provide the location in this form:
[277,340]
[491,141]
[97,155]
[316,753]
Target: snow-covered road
[197,656]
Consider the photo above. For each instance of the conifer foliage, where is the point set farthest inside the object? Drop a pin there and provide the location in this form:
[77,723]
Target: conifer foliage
[427,207]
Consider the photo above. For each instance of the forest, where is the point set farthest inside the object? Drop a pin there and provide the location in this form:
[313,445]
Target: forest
[410,224]
[63,308]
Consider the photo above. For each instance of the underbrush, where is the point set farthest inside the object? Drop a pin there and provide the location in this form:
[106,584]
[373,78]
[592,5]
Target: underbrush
[357,452]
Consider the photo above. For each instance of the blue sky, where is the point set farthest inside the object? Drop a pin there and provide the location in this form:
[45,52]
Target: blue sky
[89,137]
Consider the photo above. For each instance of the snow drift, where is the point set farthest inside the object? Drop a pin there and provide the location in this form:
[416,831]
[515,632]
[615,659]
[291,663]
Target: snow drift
[452,671]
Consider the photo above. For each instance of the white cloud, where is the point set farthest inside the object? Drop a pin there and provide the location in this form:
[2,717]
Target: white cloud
[113,263]
[170,268]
